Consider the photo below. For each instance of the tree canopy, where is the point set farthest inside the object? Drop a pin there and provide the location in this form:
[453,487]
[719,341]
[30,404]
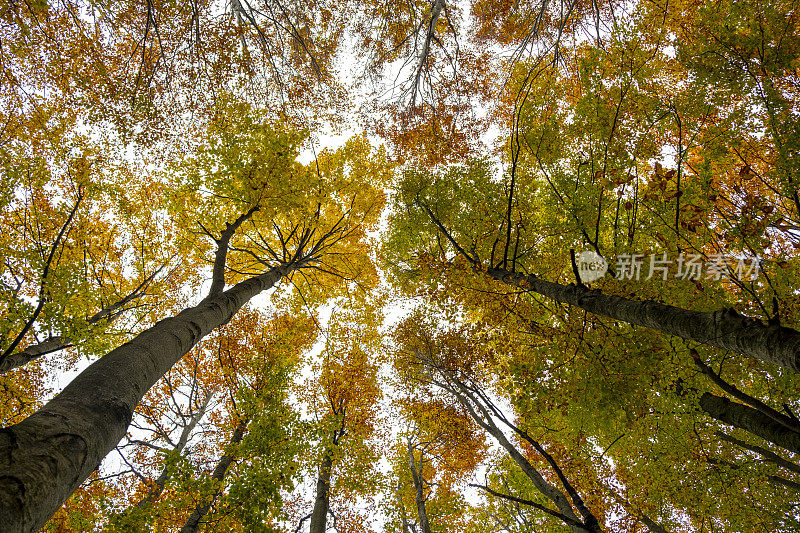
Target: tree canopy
[410,267]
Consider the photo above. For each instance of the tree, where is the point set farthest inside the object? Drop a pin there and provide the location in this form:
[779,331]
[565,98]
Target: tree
[343,397]
[446,362]
[328,212]
[71,278]
[587,138]
[724,328]
[435,455]
[162,186]
[181,465]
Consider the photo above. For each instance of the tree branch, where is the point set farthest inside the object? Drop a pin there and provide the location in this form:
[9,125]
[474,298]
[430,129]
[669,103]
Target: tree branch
[221,256]
[567,520]
[43,285]
[743,397]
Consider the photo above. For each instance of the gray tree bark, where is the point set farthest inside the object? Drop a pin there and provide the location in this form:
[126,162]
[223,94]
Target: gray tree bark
[44,458]
[319,516]
[419,488]
[724,329]
[752,420]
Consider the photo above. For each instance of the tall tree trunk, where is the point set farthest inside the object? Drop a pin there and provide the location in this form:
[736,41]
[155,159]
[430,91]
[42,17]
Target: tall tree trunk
[44,458]
[402,508]
[752,420]
[484,419]
[724,329]
[218,476]
[319,516]
[419,488]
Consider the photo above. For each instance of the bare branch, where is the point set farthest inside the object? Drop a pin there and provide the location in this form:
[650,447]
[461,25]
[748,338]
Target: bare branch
[565,519]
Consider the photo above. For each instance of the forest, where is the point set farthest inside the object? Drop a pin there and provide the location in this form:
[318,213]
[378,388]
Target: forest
[410,266]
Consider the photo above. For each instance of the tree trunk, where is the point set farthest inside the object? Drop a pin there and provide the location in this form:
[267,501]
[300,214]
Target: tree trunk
[749,419]
[319,516]
[402,508]
[419,488]
[44,458]
[724,329]
[466,399]
[539,482]
[218,475]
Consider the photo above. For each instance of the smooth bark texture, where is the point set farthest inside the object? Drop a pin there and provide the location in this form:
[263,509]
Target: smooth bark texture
[419,489]
[529,503]
[319,516]
[218,475]
[430,35]
[484,419]
[749,419]
[44,458]
[724,329]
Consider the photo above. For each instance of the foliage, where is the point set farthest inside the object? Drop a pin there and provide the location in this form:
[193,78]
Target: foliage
[154,154]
